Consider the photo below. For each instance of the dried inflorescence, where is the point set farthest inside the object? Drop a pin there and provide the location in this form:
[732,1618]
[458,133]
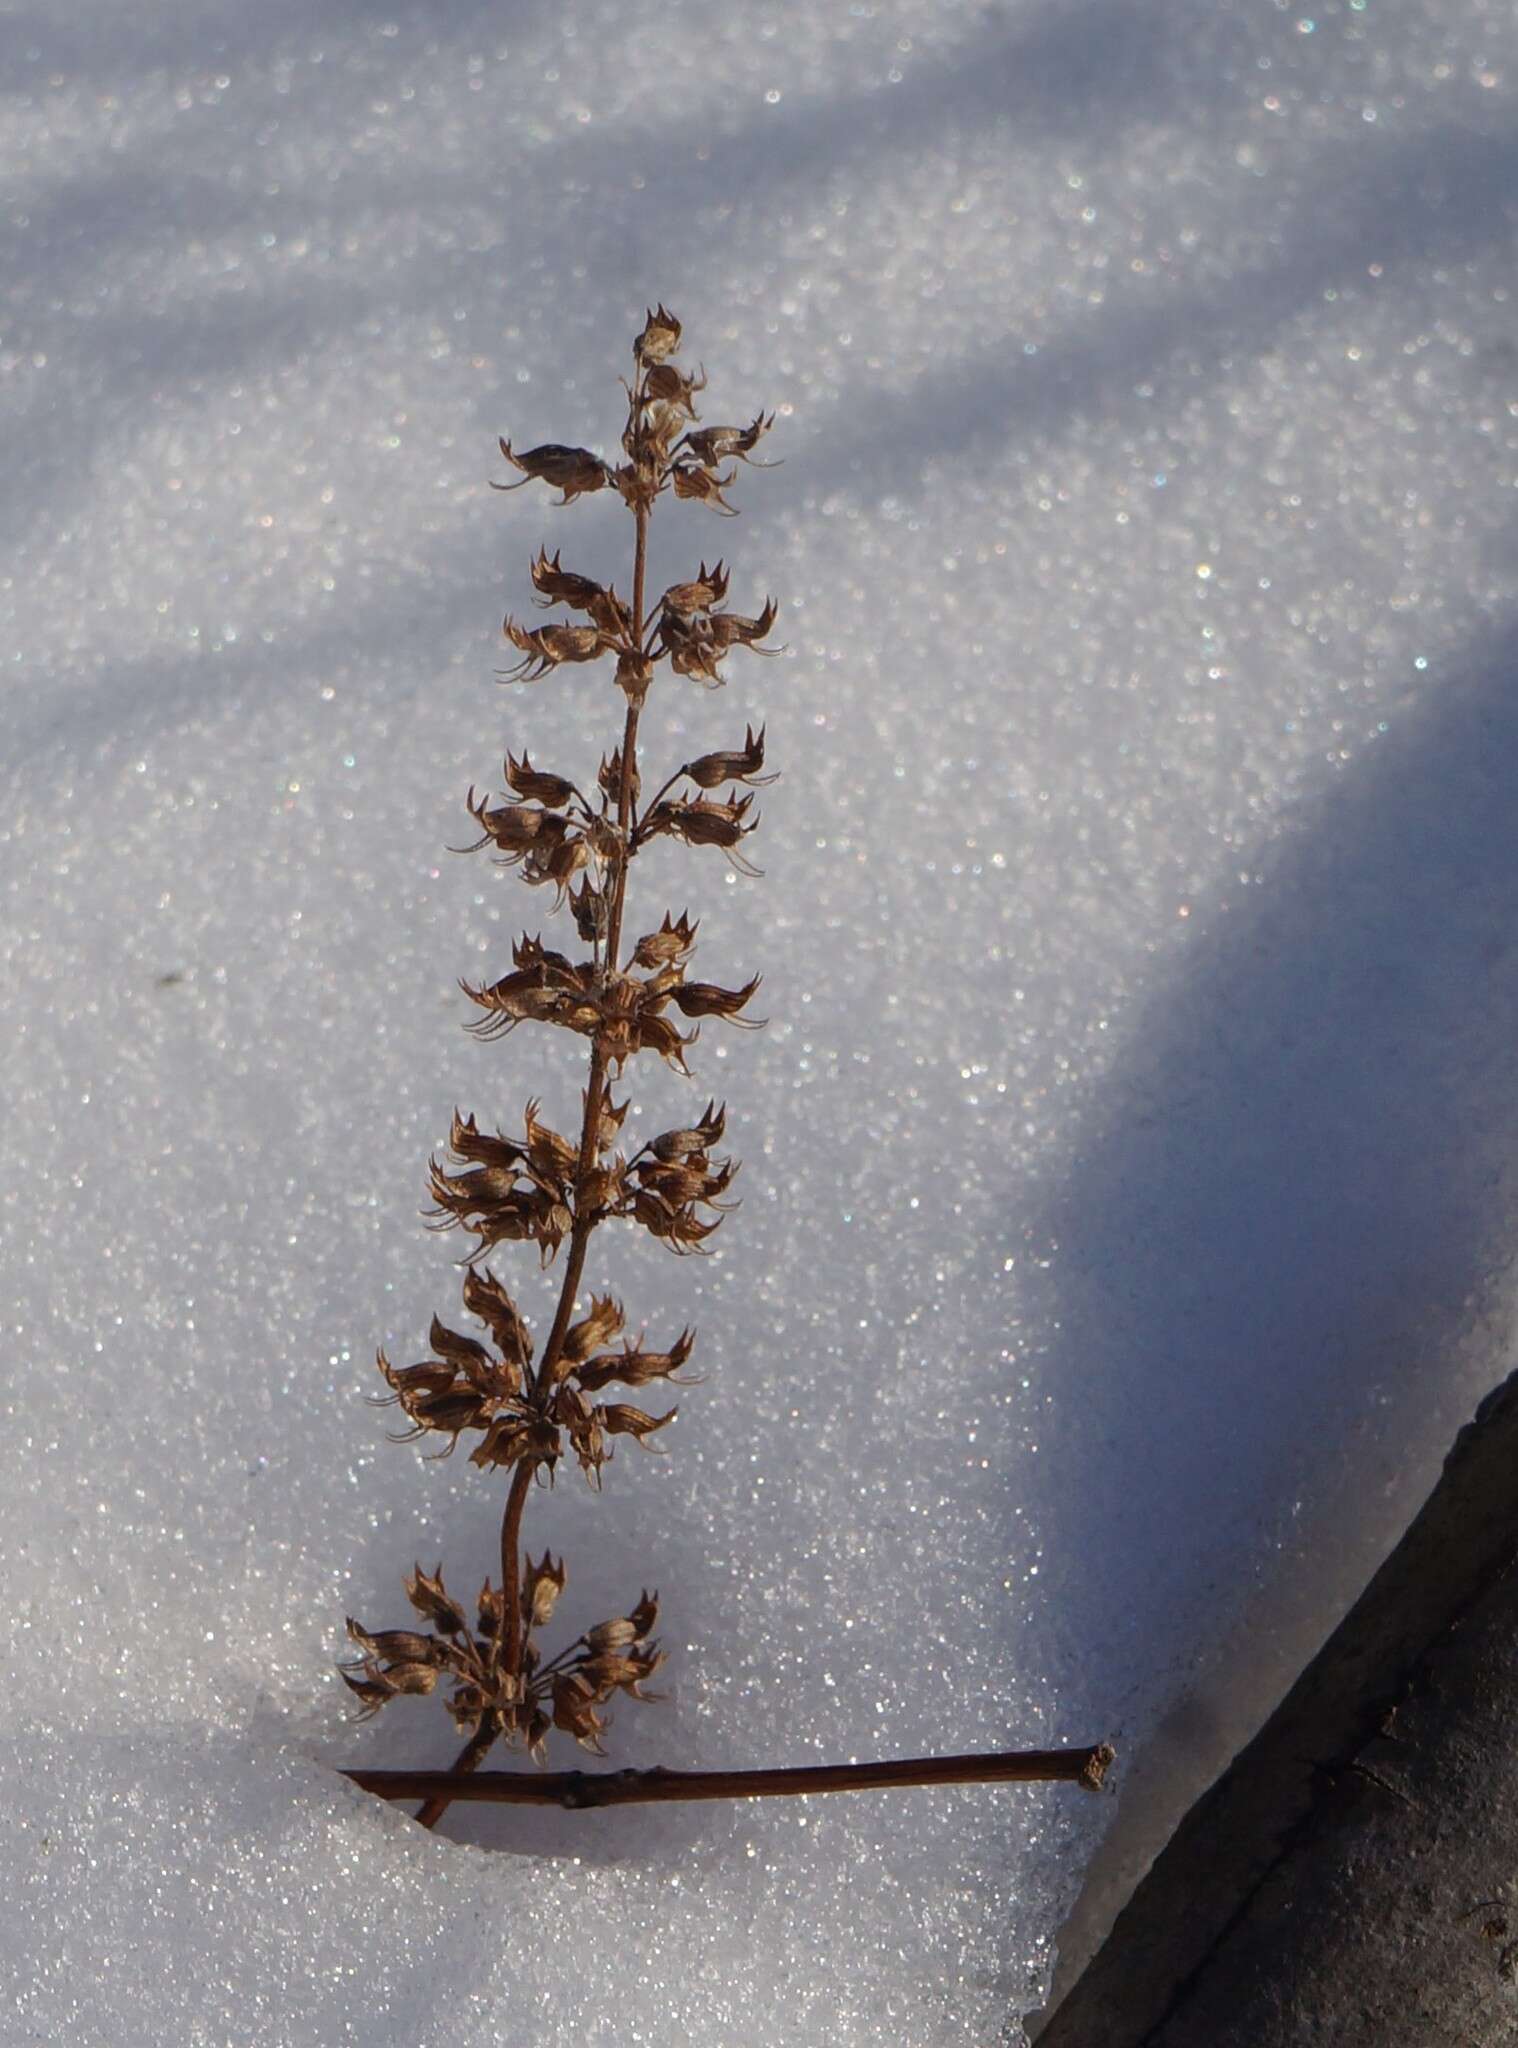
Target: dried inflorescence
[615,1656]
[526,1407]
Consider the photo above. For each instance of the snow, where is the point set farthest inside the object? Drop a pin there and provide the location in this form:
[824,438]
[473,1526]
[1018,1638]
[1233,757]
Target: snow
[1130,1158]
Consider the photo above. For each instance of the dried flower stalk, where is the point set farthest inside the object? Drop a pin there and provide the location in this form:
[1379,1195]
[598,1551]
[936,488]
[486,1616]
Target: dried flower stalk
[523,1413]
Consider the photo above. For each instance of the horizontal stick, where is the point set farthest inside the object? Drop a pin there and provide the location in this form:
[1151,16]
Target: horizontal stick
[576,1789]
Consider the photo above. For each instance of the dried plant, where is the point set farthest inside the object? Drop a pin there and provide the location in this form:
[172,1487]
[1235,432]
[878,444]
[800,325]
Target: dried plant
[523,1411]
[525,1407]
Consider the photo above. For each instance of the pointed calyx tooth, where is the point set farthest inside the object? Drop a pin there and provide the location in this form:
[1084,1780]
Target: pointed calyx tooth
[634,674]
[431,1598]
[555,585]
[670,943]
[691,645]
[712,446]
[467,1356]
[609,1120]
[518,1438]
[551,1157]
[619,1418]
[676,390]
[500,1210]
[545,647]
[705,999]
[570,470]
[695,1138]
[485,1297]
[707,588]
[710,771]
[535,786]
[732,629]
[610,778]
[639,483]
[588,907]
[673,1223]
[705,486]
[660,337]
[468,1142]
[632,1366]
[705,822]
[592,1331]
[541,1588]
[490,1610]
[587,1437]
[450,1394]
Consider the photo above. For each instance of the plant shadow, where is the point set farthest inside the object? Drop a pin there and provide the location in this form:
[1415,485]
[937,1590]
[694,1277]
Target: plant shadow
[1280,1272]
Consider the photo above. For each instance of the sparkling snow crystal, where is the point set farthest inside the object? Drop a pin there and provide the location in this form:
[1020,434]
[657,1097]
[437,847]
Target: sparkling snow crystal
[1130,1167]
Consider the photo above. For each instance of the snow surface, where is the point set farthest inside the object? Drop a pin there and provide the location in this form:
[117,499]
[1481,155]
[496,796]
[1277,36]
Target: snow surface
[1130,1157]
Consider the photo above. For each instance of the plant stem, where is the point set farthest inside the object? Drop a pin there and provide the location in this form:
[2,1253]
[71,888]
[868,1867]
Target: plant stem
[577,1789]
[511,1569]
[512,1636]
[469,1758]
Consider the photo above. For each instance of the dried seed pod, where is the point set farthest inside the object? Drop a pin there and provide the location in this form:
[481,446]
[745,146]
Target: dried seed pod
[635,1367]
[704,823]
[705,999]
[573,471]
[674,388]
[610,1117]
[490,1611]
[622,1420]
[588,907]
[660,337]
[611,1635]
[698,1137]
[599,1327]
[710,771]
[394,1645]
[731,629]
[613,616]
[485,1297]
[550,1155]
[462,1353]
[544,1583]
[671,942]
[562,586]
[430,1598]
[372,1693]
[691,645]
[546,647]
[705,486]
[658,1034]
[634,674]
[610,778]
[533,786]
[709,587]
[713,445]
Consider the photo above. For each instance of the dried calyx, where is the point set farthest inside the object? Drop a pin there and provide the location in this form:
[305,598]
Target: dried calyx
[526,1407]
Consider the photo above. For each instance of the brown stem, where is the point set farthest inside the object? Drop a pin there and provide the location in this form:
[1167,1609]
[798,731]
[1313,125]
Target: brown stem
[579,1237]
[576,1789]
[512,1639]
[469,1758]
[511,1569]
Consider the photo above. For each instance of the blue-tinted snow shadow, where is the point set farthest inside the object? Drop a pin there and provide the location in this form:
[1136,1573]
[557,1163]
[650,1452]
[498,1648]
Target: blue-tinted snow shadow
[1449,194]
[1053,73]
[1276,1276]
[138,199]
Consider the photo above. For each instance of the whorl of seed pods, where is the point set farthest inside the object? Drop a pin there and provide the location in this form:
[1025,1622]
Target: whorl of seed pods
[523,1407]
